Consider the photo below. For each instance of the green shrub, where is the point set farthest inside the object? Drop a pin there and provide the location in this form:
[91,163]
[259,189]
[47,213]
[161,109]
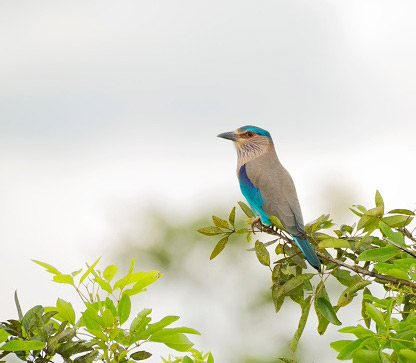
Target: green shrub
[100,331]
[379,249]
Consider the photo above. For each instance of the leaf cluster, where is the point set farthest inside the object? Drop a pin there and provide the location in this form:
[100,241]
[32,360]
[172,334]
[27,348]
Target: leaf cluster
[44,332]
[37,337]
[378,248]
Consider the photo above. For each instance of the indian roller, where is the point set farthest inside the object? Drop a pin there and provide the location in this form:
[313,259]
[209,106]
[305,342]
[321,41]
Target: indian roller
[267,185]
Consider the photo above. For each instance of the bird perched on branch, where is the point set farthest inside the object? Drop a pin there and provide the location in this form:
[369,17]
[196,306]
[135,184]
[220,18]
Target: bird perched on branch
[267,185]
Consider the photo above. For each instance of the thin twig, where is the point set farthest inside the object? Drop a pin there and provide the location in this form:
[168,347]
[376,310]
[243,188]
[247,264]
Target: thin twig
[358,269]
[363,271]
[409,235]
[403,248]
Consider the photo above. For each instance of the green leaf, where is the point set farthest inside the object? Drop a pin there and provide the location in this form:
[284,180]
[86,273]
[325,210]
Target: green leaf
[385,358]
[262,254]
[367,320]
[246,209]
[294,255]
[293,283]
[375,212]
[278,278]
[92,320]
[392,270]
[339,345]
[141,279]
[344,277]
[103,284]
[24,345]
[48,267]
[18,307]
[132,264]
[356,212]
[402,211]
[219,222]
[397,237]
[75,273]
[231,218]
[306,306]
[32,316]
[277,300]
[326,309]
[334,243]
[171,331]
[109,272]
[379,200]
[241,231]
[364,355]
[348,351]
[409,354]
[323,222]
[397,221]
[65,311]
[210,358]
[64,335]
[87,358]
[279,249]
[140,320]
[361,208]
[375,314]
[297,294]
[359,331]
[90,268]
[381,254]
[210,231]
[124,308]
[248,237]
[64,279]
[287,360]
[219,247]
[108,318]
[277,222]
[348,294]
[179,342]
[153,328]
[3,335]
[365,221]
[140,355]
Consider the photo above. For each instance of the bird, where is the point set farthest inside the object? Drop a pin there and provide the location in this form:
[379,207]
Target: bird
[268,186]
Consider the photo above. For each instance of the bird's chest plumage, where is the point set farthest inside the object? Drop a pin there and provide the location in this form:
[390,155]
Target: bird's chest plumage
[253,194]
[261,172]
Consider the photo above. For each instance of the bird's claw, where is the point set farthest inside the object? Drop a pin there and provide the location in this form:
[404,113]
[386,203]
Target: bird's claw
[255,222]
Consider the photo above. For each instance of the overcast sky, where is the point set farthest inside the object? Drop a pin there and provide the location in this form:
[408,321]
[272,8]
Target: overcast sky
[106,106]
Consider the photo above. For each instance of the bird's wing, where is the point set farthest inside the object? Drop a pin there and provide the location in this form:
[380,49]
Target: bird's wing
[278,191]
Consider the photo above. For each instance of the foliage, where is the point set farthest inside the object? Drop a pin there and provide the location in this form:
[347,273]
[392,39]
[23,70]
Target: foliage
[378,250]
[45,332]
[180,252]
[196,357]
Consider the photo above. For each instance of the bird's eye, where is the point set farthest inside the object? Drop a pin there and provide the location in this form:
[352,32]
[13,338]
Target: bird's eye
[250,134]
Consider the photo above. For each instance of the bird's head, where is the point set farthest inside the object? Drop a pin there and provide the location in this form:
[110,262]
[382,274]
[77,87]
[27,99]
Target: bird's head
[250,141]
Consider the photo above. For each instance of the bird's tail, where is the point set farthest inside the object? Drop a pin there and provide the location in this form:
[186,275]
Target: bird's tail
[308,252]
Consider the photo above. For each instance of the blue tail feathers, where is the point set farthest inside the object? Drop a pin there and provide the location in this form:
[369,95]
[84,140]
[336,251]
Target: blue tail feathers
[308,252]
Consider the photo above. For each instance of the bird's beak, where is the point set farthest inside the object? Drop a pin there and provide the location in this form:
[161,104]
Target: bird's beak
[229,136]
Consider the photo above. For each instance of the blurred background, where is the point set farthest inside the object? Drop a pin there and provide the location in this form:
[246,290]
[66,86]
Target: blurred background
[109,113]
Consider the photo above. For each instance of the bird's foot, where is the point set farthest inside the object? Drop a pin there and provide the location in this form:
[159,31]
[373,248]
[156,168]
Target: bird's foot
[255,222]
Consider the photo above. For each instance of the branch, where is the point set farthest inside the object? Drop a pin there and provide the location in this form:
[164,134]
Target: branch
[400,247]
[358,269]
[409,235]
[361,270]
